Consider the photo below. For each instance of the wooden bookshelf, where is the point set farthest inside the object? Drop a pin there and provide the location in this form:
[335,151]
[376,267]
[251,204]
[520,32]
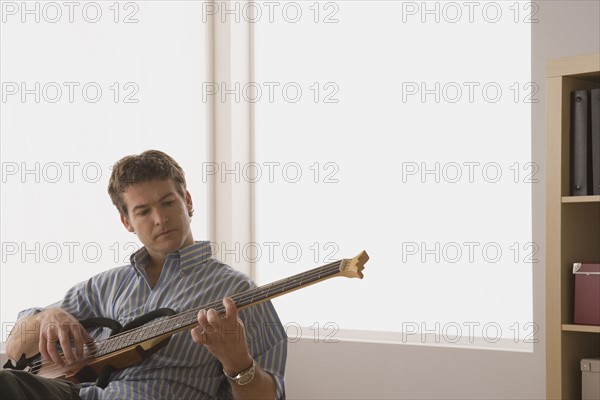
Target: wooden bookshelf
[581,328]
[572,232]
[581,199]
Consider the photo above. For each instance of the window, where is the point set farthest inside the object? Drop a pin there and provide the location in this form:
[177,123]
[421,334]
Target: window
[83,86]
[402,128]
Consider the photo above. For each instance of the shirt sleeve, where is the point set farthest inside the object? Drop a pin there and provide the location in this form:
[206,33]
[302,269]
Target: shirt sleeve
[76,302]
[267,341]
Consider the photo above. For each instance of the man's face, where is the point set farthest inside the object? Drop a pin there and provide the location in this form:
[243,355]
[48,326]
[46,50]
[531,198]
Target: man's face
[159,216]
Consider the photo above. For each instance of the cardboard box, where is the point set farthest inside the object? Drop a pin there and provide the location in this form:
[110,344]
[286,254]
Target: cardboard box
[590,379]
[587,293]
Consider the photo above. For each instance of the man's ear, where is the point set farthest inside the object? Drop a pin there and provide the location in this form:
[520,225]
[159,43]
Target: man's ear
[189,202]
[125,222]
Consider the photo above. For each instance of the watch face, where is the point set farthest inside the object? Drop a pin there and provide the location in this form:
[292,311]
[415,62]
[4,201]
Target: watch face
[246,378]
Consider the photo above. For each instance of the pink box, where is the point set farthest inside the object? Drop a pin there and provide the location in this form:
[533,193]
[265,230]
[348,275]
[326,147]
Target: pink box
[587,293]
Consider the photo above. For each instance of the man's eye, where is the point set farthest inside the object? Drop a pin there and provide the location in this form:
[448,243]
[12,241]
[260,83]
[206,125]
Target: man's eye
[143,212]
[168,203]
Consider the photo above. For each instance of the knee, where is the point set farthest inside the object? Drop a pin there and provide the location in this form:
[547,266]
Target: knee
[8,376]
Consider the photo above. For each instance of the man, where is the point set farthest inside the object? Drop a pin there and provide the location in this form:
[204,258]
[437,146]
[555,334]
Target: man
[240,355]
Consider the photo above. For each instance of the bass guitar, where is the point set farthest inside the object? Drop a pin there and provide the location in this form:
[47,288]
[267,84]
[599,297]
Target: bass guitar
[136,344]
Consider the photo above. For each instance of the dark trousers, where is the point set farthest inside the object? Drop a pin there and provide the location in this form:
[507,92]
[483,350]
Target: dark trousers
[20,385]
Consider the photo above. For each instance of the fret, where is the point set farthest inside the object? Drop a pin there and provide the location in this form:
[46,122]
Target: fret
[129,338]
[140,333]
[120,342]
[113,344]
[103,347]
[178,322]
[155,329]
[163,327]
[147,332]
[133,335]
[191,318]
[298,282]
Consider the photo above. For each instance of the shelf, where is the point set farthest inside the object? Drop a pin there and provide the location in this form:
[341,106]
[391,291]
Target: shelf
[581,199]
[577,66]
[572,231]
[581,328]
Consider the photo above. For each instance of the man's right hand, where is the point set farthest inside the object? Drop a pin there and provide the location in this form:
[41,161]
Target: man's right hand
[59,327]
[53,326]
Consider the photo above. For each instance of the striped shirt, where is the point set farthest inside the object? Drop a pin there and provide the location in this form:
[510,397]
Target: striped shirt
[190,278]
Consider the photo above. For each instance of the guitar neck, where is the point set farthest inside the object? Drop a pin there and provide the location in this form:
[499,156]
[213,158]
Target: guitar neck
[188,319]
[266,292]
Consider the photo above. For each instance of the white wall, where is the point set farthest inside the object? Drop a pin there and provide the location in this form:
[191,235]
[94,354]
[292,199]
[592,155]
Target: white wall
[384,371]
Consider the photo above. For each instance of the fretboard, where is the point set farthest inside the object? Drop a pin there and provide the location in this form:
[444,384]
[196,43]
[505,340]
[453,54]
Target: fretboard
[188,319]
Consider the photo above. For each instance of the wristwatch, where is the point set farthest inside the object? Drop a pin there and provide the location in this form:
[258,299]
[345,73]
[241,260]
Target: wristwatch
[244,377]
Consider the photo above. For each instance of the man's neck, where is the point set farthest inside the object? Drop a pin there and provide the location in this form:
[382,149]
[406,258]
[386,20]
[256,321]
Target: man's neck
[153,270]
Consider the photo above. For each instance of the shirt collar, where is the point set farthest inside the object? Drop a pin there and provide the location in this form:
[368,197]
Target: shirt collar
[187,257]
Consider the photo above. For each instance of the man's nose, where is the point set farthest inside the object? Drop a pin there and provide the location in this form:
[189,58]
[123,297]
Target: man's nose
[159,217]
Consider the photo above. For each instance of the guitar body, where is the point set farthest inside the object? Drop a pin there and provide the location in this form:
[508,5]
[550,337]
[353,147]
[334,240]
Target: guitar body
[90,368]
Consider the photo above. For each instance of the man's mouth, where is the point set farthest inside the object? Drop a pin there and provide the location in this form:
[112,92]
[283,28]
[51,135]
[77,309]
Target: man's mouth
[164,233]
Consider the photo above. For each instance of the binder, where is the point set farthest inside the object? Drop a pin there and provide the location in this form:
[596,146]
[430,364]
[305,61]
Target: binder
[595,140]
[580,121]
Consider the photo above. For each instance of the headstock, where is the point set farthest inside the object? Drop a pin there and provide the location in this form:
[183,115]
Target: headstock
[352,268]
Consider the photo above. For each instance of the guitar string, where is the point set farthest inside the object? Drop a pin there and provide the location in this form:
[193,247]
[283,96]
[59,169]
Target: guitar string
[238,298]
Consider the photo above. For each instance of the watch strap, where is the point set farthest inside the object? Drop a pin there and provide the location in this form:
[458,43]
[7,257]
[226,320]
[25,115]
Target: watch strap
[244,377]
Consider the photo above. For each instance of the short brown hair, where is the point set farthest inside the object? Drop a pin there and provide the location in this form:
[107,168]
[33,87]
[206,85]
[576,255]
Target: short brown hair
[149,165]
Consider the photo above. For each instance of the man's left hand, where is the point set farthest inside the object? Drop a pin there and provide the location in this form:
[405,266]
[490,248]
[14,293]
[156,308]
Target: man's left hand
[224,337]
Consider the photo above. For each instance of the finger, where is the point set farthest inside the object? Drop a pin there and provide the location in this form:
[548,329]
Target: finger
[52,350]
[202,320]
[213,318]
[197,335]
[78,339]
[86,336]
[43,346]
[64,336]
[47,346]
[231,311]
[88,341]
[204,325]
